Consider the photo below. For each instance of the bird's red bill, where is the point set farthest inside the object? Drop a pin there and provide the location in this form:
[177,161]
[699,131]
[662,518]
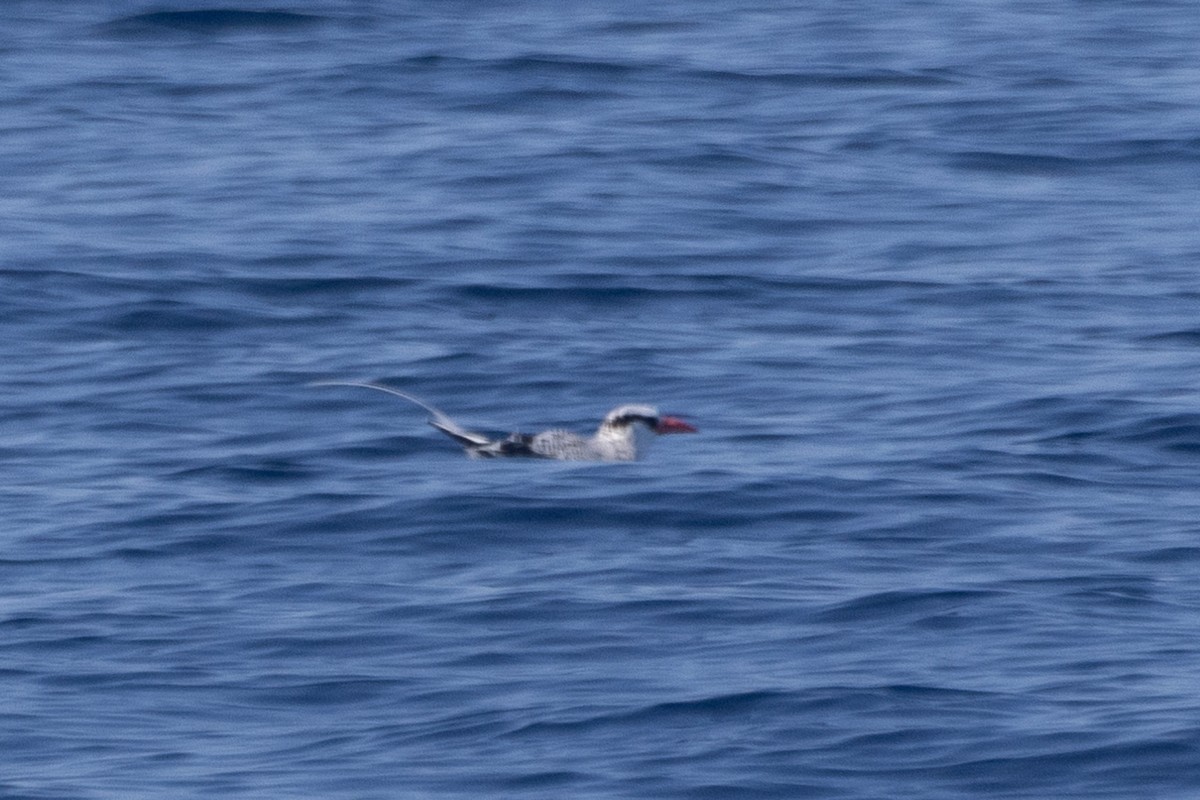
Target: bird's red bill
[673,425]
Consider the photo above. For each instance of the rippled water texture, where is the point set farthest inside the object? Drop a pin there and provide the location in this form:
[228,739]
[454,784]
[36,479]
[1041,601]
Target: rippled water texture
[923,274]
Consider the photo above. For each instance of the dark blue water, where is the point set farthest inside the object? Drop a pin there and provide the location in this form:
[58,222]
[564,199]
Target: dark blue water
[924,274]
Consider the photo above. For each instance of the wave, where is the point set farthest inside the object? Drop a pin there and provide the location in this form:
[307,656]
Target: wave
[212,20]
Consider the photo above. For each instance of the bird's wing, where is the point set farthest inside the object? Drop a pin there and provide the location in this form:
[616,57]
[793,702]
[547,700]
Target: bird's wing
[562,445]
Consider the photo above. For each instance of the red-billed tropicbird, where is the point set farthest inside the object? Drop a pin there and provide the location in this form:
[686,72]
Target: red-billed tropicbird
[617,438]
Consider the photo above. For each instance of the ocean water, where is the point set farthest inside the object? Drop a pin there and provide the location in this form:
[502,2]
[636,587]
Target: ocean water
[924,274]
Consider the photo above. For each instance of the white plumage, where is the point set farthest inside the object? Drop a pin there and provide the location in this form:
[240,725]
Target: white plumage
[623,434]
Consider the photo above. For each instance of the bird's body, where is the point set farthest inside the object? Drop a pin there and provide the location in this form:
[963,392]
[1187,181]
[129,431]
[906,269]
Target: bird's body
[622,436]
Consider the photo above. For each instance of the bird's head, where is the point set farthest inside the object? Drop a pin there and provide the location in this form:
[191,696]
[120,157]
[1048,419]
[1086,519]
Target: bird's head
[628,415]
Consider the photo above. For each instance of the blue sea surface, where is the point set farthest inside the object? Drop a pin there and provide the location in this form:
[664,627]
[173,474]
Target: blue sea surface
[926,275]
